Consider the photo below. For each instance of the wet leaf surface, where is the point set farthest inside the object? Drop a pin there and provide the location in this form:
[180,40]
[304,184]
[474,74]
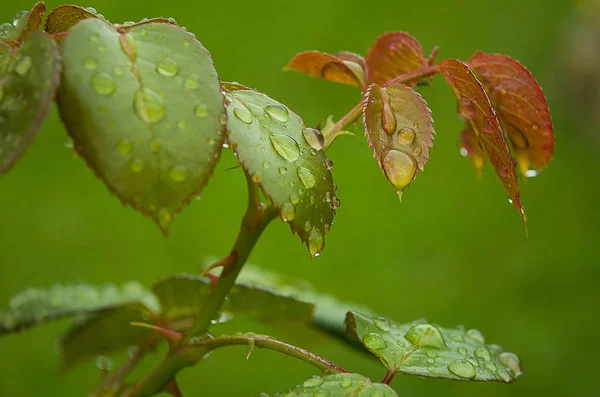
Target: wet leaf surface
[339,385]
[392,55]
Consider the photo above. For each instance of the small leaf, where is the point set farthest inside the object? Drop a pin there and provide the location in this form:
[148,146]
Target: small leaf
[424,349]
[103,333]
[182,296]
[328,136]
[521,106]
[400,130]
[24,22]
[344,67]
[29,77]
[340,385]
[145,111]
[471,147]
[392,55]
[64,17]
[36,305]
[286,160]
[475,107]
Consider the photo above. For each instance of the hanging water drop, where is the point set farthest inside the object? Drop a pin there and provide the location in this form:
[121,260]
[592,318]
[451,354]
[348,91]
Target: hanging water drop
[313,138]
[315,242]
[287,212]
[400,168]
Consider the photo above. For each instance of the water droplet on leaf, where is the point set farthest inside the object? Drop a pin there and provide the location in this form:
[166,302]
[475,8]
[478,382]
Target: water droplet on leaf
[103,84]
[201,111]
[287,212]
[149,105]
[306,177]
[374,341]
[178,173]
[125,146]
[167,67]
[90,64]
[314,138]
[476,335]
[285,146]
[243,115]
[313,381]
[483,354]
[405,136]
[382,323]
[463,369]
[399,168]
[277,112]
[426,335]
[136,165]
[315,242]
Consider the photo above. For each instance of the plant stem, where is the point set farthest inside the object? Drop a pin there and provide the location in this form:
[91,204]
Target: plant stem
[255,220]
[389,376]
[266,342]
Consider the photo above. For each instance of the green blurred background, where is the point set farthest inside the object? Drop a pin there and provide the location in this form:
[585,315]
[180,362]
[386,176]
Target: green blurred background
[454,252]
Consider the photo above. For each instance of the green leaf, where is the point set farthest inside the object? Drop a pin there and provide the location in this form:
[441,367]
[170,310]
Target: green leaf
[285,159]
[63,18]
[29,77]
[36,305]
[340,385]
[104,333]
[182,296]
[400,130]
[145,110]
[424,349]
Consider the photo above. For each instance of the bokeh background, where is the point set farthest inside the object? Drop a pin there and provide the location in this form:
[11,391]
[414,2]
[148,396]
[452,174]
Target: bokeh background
[454,252]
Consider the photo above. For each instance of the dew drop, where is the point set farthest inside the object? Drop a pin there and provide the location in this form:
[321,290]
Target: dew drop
[125,146]
[490,365]
[294,199]
[313,381]
[467,108]
[483,354]
[315,242]
[191,83]
[336,203]
[346,383]
[144,33]
[426,335]
[118,71]
[382,323]
[282,170]
[399,168]
[504,375]
[164,217]
[94,37]
[405,136]
[462,351]
[463,369]
[136,165]
[457,338]
[476,335]
[287,211]
[306,177]
[329,163]
[181,124]
[285,146]
[243,115]
[512,362]
[90,64]
[374,341]
[103,84]
[388,118]
[307,226]
[186,42]
[167,67]
[534,127]
[201,110]
[178,173]
[313,138]
[277,112]
[149,106]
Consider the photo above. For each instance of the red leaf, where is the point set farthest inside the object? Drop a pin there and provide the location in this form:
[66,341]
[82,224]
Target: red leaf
[392,55]
[476,108]
[344,67]
[521,107]
[399,128]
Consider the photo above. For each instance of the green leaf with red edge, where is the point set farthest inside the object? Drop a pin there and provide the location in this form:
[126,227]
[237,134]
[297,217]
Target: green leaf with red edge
[29,78]
[104,333]
[392,55]
[145,110]
[344,67]
[471,147]
[284,158]
[521,106]
[63,18]
[399,128]
[475,107]
[424,349]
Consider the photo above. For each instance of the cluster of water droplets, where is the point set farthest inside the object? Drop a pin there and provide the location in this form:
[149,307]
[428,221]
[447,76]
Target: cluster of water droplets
[9,29]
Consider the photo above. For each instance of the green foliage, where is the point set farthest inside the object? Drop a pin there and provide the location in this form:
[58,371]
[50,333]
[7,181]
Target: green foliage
[147,112]
[340,385]
[36,305]
[424,349]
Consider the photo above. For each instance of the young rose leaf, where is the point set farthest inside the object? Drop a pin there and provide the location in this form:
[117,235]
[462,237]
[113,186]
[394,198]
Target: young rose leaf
[399,128]
[103,333]
[392,55]
[521,106]
[424,349]
[285,159]
[329,135]
[475,107]
[145,110]
[182,296]
[36,305]
[344,67]
[64,17]
[29,77]
[471,147]
[340,385]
